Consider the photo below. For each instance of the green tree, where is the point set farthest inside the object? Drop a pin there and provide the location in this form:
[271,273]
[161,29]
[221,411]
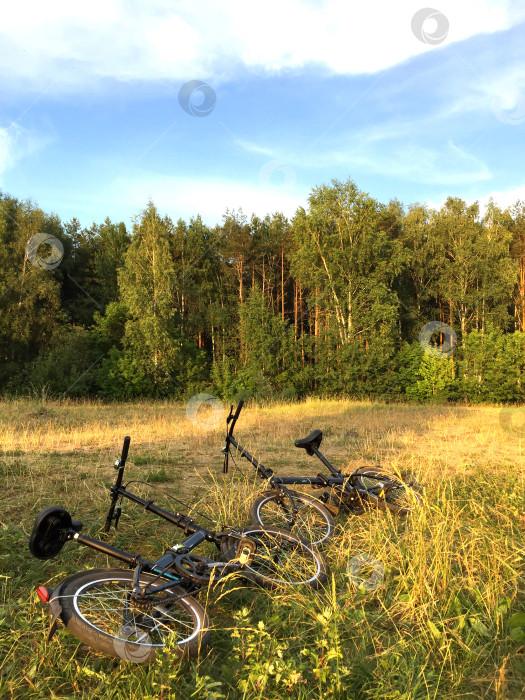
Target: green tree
[29,294]
[342,246]
[147,288]
[476,279]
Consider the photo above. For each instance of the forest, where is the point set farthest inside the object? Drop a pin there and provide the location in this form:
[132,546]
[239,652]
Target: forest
[329,303]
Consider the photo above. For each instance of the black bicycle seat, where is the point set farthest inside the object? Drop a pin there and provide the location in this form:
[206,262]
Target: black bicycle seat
[312,440]
[46,540]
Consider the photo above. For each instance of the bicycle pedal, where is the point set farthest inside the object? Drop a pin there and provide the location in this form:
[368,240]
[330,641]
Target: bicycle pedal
[245,551]
[334,510]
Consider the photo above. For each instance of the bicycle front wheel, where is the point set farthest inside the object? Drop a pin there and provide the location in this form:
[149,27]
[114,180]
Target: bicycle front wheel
[385,491]
[281,559]
[311,522]
[98,610]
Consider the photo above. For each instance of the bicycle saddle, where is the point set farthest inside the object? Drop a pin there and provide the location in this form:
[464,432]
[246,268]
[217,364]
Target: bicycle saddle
[312,440]
[47,538]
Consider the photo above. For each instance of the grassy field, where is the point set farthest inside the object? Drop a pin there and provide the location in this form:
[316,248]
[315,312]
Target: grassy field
[448,620]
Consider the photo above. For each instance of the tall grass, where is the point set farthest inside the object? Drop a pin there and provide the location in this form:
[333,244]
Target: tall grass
[444,622]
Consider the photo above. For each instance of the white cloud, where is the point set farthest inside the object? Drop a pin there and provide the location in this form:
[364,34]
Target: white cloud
[71,46]
[181,197]
[502,198]
[256,149]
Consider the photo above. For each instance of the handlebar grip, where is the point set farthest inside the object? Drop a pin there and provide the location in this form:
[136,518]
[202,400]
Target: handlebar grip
[125,449]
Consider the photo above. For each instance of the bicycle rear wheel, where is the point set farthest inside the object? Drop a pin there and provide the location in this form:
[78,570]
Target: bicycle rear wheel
[281,559]
[97,610]
[312,523]
[385,491]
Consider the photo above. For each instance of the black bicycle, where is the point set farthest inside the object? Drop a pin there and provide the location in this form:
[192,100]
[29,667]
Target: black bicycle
[312,519]
[132,613]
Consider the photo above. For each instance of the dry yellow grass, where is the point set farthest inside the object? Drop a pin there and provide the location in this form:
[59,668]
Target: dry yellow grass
[428,439]
[437,627]
[69,438]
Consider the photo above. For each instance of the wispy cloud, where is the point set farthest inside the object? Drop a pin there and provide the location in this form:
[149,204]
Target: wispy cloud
[17,143]
[403,150]
[448,164]
[257,149]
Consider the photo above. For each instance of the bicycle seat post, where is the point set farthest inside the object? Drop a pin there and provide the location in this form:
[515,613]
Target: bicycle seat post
[315,450]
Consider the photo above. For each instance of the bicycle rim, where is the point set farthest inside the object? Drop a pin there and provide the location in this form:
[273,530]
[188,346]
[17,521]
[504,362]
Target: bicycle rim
[309,523]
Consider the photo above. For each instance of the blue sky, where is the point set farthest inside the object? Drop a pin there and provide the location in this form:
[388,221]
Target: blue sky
[409,102]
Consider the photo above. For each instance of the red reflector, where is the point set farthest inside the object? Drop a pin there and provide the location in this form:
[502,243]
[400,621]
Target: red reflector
[43,593]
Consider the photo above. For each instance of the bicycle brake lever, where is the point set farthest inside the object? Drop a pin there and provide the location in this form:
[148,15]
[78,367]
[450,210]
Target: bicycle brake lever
[117,515]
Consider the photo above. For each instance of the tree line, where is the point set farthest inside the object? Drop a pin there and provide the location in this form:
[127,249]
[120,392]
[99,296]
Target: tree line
[331,302]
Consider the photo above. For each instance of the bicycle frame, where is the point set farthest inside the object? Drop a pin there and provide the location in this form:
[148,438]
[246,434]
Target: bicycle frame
[319,481]
[56,526]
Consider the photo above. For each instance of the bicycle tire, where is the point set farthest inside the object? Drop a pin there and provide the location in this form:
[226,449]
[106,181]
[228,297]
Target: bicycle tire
[315,524]
[281,559]
[401,500]
[133,635]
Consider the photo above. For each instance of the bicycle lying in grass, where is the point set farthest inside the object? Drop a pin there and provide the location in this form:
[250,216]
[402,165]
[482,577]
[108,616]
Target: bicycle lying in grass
[131,614]
[312,519]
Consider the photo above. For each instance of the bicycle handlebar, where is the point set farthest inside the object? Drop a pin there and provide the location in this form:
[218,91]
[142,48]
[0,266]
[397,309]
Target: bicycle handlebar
[234,418]
[119,466]
[125,450]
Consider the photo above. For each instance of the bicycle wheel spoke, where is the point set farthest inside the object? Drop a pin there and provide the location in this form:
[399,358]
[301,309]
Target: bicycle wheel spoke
[102,607]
